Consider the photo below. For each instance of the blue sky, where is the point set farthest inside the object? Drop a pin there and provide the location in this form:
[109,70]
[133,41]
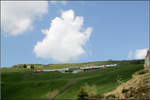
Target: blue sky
[119,31]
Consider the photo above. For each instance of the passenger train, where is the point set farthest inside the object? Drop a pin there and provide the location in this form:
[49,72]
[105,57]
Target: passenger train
[78,68]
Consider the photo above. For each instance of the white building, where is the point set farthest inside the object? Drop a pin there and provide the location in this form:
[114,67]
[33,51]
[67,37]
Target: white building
[28,67]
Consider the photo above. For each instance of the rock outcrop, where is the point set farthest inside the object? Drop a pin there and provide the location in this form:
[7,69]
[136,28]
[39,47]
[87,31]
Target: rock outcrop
[138,88]
[147,60]
[135,89]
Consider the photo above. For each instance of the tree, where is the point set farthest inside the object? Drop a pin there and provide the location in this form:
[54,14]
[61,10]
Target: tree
[32,66]
[24,66]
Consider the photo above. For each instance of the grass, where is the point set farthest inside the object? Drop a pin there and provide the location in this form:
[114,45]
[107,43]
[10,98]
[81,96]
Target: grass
[19,83]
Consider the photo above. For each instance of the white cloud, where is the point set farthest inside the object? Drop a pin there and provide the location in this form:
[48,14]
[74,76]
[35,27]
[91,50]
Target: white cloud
[64,39]
[138,54]
[18,16]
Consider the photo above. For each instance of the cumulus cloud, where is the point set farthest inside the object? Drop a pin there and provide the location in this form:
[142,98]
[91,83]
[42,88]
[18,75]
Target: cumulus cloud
[65,38]
[18,16]
[138,54]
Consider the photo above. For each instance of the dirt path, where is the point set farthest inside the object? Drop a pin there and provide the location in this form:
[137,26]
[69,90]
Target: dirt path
[71,83]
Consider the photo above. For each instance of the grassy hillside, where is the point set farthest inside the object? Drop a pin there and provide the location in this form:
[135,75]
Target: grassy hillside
[18,83]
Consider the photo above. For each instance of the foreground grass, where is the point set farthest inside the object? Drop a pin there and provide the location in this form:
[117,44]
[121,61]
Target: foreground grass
[24,84]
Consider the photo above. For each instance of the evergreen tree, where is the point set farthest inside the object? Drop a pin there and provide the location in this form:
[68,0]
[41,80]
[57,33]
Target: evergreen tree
[24,66]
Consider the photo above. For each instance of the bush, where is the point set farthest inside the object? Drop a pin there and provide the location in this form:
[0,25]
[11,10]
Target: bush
[88,92]
[82,94]
[32,66]
[24,66]
[137,62]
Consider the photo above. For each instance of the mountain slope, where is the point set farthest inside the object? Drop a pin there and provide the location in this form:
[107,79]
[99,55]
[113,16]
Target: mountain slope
[18,84]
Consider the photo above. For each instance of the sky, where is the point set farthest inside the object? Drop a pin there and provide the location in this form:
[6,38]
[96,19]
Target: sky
[46,32]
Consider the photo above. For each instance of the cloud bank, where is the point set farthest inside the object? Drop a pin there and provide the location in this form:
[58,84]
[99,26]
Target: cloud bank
[18,16]
[139,54]
[65,38]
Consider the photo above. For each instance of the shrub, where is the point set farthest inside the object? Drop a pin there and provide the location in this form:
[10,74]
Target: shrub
[88,92]
[137,62]
[82,94]
[24,66]
[91,90]
[32,66]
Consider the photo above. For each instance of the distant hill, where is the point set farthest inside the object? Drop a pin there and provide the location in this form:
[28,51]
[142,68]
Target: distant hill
[19,83]
[20,67]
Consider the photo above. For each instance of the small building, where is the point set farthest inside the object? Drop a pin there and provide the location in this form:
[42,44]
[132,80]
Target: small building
[28,67]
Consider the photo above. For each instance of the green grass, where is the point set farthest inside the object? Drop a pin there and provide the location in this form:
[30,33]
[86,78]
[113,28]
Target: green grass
[19,83]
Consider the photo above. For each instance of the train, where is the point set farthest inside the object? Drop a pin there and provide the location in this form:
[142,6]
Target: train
[65,70]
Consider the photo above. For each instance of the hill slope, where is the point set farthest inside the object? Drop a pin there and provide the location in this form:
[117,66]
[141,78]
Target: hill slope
[18,84]
[137,88]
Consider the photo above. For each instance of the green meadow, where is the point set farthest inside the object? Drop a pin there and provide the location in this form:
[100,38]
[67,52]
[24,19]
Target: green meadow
[18,83]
